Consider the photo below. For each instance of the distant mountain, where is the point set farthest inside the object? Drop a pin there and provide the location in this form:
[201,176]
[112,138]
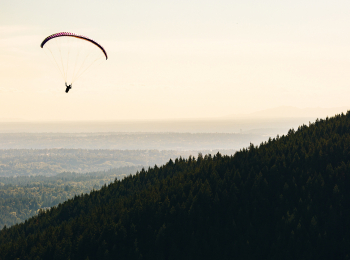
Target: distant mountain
[293,112]
[286,199]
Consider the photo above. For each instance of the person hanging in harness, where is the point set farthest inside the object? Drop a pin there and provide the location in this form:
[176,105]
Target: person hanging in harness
[68,87]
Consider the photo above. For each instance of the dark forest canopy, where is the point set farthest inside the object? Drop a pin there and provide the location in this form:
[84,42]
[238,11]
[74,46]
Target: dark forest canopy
[286,199]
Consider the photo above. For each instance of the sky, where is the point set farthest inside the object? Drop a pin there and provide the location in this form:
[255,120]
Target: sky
[176,59]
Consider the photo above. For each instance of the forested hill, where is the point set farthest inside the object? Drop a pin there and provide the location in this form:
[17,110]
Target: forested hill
[289,198]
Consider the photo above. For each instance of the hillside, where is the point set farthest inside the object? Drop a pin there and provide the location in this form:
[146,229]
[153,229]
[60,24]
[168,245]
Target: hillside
[286,199]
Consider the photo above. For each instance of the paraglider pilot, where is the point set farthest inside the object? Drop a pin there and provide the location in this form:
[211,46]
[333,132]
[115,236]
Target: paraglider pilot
[68,87]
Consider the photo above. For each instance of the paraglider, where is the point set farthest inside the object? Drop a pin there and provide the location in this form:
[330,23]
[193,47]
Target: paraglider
[68,87]
[72,54]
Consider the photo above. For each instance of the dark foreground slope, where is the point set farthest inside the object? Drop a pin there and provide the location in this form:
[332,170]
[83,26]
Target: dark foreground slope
[287,199]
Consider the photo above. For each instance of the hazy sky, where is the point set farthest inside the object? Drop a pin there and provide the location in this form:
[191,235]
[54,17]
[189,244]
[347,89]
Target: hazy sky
[176,59]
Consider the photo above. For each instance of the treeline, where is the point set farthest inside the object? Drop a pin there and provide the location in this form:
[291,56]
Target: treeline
[286,199]
[21,162]
[22,197]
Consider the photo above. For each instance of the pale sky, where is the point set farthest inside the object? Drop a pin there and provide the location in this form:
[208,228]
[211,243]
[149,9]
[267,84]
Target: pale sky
[176,59]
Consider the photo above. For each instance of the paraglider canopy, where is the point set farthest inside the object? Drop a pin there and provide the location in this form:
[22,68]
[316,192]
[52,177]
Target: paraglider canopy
[73,54]
[61,34]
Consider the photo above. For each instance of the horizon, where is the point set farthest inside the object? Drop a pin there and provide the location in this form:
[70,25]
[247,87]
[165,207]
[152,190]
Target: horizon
[261,126]
[264,123]
[288,112]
